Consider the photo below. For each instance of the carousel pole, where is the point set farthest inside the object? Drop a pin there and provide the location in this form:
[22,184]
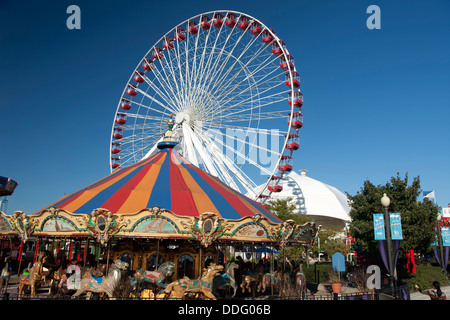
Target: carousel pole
[201,263]
[70,250]
[253,256]
[57,251]
[157,255]
[265,255]
[78,251]
[218,255]
[306,256]
[20,257]
[107,259]
[98,253]
[271,271]
[86,246]
[36,251]
[2,258]
[10,247]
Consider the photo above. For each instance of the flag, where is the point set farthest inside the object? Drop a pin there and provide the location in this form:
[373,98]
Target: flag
[428,194]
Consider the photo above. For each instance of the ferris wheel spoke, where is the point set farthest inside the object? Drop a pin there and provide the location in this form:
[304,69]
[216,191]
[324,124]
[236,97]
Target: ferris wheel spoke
[163,111]
[267,100]
[205,69]
[252,130]
[220,161]
[169,95]
[260,84]
[143,116]
[182,77]
[244,157]
[164,95]
[201,151]
[254,56]
[175,92]
[226,166]
[165,106]
[263,86]
[141,127]
[247,143]
[136,139]
[222,83]
[257,117]
[225,54]
[196,78]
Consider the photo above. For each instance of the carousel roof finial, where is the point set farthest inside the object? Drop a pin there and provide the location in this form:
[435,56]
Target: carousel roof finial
[169,141]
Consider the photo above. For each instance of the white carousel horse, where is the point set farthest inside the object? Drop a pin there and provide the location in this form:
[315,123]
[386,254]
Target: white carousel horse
[103,284]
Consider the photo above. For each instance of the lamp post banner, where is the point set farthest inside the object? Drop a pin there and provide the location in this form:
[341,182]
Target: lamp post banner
[445,233]
[378,226]
[396,226]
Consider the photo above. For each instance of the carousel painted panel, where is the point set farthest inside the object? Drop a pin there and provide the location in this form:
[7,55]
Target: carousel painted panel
[250,230]
[152,224]
[58,224]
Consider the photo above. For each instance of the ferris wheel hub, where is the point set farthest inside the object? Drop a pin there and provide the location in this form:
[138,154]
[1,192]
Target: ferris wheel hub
[183,116]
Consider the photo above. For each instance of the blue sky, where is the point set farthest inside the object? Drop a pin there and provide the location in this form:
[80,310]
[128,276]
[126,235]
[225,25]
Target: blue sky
[376,101]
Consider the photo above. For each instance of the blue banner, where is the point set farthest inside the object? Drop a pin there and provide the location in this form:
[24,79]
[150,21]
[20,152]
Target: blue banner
[396,226]
[445,232]
[378,226]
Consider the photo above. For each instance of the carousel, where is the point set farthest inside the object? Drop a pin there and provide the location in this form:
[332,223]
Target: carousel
[172,212]
[161,213]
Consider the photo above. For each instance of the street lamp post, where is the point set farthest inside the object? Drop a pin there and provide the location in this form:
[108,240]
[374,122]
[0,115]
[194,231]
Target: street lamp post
[385,201]
[441,247]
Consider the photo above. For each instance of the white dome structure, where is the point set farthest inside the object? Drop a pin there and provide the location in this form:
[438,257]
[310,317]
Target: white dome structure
[325,204]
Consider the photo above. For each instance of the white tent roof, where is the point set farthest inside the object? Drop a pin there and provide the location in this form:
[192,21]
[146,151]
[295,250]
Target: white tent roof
[313,197]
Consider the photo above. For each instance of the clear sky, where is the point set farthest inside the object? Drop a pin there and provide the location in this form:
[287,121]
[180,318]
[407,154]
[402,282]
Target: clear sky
[376,101]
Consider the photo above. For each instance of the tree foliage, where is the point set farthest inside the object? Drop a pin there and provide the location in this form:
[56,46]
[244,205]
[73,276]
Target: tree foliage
[285,210]
[418,218]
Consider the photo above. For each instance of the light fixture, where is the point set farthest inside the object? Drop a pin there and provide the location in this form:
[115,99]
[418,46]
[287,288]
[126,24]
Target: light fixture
[385,201]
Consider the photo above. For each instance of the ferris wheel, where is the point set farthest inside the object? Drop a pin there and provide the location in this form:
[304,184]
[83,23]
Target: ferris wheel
[232,89]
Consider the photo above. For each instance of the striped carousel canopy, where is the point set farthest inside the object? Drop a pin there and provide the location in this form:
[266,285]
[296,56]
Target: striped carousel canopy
[165,180]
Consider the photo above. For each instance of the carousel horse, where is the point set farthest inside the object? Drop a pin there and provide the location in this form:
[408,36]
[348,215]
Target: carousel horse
[33,277]
[300,283]
[154,277]
[226,279]
[249,278]
[178,288]
[49,268]
[104,284]
[270,279]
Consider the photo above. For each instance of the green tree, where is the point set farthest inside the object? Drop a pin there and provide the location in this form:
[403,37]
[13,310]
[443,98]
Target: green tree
[285,210]
[418,218]
[332,240]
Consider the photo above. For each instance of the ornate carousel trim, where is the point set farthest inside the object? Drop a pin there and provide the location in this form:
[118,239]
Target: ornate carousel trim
[156,223]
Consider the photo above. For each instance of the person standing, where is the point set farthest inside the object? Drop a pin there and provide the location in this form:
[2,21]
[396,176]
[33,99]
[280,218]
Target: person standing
[434,294]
